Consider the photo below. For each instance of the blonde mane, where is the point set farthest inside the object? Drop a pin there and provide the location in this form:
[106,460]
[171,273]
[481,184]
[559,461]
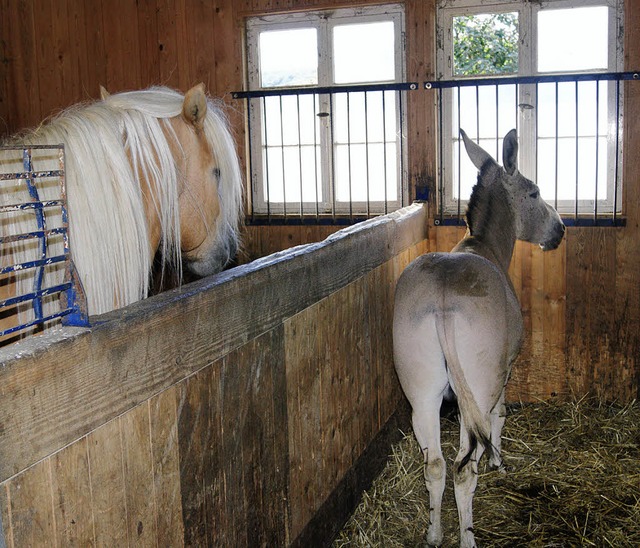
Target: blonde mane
[109,146]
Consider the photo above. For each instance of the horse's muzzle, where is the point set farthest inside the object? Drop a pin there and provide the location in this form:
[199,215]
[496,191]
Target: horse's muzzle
[555,239]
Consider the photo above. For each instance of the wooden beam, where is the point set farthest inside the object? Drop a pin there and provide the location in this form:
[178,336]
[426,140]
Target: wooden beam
[58,388]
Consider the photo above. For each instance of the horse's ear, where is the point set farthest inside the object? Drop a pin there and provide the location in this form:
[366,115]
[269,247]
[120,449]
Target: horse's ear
[510,152]
[104,94]
[194,108]
[478,155]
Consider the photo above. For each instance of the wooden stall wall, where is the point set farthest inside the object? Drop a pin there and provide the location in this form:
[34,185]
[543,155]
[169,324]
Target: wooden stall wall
[581,304]
[233,412]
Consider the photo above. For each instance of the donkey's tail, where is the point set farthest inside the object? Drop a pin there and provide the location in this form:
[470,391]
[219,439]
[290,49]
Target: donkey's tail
[476,422]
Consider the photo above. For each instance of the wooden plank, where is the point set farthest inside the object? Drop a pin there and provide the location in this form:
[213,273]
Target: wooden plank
[228,66]
[168,44]
[30,506]
[195,445]
[72,502]
[166,467]
[580,258]
[120,19]
[336,509]
[106,465]
[161,340]
[82,79]
[138,476]
[554,325]
[200,22]
[5,79]
[304,389]
[22,68]
[57,71]
[93,36]
[254,418]
[148,43]
[6,533]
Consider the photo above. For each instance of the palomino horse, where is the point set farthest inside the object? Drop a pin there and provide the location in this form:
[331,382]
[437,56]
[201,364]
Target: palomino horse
[147,172]
[458,327]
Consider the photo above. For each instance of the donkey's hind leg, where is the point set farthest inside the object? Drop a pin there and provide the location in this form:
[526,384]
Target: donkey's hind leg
[465,478]
[498,416]
[426,426]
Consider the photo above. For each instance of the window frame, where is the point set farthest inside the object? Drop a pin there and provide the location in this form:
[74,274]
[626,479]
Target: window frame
[527,94]
[324,22]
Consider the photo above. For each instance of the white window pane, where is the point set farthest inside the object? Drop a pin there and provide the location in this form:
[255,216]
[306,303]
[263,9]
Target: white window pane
[364,53]
[573,39]
[363,172]
[302,172]
[289,57]
[491,110]
[588,175]
[592,109]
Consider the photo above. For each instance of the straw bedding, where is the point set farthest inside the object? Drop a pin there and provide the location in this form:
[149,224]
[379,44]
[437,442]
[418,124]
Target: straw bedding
[573,479]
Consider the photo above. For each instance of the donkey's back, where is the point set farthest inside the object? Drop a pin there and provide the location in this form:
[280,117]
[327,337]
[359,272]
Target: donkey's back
[455,307]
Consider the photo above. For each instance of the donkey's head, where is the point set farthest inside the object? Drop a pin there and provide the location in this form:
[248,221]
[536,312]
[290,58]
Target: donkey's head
[535,220]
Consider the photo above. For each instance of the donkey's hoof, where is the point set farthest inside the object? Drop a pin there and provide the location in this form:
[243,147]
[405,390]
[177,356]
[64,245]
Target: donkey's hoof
[434,537]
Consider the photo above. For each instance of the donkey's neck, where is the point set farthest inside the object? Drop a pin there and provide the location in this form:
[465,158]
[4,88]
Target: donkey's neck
[491,221]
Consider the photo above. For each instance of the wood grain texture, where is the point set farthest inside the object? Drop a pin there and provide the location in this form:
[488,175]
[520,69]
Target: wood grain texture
[71,488]
[30,502]
[166,467]
[109,501]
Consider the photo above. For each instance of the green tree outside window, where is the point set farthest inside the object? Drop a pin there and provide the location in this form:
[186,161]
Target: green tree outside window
[485,44]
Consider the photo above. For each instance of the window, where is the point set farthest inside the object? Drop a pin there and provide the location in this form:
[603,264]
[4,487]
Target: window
[568,130]
[324,152]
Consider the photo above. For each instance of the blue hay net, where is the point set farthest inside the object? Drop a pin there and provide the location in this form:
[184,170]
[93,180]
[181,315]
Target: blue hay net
[65,296]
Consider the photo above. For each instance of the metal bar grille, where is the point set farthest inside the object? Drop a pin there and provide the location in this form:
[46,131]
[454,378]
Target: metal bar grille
[326,155]
[590,196]
[44,301]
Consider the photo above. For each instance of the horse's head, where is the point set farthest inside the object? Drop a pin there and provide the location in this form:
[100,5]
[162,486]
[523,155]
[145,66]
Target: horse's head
[535,220]
[207,192]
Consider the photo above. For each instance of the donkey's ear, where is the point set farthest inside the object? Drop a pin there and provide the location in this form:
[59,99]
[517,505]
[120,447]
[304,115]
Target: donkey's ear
[510,152]
[194,108]
[104,94]
[478,155]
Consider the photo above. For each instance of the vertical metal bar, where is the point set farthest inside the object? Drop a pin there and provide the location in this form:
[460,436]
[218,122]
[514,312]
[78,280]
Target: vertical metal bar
[441,157]
[577,145]
[536,138]
[41,221]
[595,198]
[349,155]
[266,160]
[384,151]
[402,145]
[459,158]
[300,156]
[477,114]
[333,184]
[284,178]
[316,97]
[366,150]
[497,123]
[617,166]
[254,184]
[557,148]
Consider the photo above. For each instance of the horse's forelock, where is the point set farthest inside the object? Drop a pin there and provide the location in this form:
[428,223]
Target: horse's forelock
[218,135]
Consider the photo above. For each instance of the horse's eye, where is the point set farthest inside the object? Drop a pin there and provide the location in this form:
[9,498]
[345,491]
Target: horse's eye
[216,172]
[534,195]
